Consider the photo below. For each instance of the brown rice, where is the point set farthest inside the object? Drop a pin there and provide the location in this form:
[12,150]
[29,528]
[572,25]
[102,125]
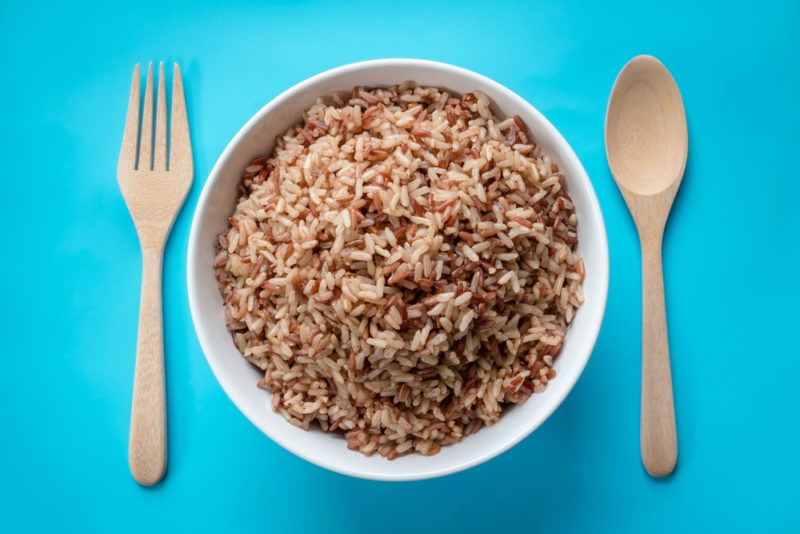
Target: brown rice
[402,268]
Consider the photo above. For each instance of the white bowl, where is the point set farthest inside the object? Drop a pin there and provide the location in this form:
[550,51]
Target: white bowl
[238,378]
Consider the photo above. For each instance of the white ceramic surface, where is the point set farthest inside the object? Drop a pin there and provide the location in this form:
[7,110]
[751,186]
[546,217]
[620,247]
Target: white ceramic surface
[238,378]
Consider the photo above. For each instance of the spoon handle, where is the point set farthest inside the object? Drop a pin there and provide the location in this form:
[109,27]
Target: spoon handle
[659,440]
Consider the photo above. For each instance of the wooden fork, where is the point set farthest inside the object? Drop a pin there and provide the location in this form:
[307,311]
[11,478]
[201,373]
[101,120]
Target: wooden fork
[154,189]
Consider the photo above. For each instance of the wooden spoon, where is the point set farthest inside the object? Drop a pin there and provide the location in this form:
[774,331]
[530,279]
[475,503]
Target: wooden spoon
[647,145]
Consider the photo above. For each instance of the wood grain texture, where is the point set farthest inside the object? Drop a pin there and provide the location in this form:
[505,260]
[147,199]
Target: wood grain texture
[154,190]
[148,436]
[647,147]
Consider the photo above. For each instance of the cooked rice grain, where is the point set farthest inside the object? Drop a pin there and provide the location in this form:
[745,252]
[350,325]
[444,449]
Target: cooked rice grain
[402,268]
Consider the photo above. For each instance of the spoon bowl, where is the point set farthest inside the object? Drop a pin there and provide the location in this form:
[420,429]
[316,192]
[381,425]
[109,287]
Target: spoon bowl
[646,137]
[647,145]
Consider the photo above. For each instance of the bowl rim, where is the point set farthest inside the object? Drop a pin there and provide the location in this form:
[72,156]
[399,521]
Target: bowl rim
[592,330]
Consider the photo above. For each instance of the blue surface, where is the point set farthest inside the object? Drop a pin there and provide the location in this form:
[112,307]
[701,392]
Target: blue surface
[70,270]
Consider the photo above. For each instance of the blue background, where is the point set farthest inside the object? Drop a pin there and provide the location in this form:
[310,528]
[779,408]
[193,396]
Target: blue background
[70,270]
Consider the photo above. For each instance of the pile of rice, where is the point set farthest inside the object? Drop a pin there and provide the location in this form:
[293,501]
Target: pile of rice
[402,268]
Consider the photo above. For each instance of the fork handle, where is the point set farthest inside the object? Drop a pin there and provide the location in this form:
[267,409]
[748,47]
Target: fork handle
[147,453]
[659,441]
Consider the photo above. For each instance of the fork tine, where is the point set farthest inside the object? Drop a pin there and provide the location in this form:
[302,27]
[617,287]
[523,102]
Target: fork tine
[127,155]
[161,123]
[180,154]
[146,142]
